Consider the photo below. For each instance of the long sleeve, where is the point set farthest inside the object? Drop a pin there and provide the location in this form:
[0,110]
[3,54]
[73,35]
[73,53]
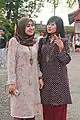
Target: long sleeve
[11,66]
[38,66]
[41,41]
[64,55]
[39,72]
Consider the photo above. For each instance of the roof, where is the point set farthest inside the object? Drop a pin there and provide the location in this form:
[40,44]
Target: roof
[73,15]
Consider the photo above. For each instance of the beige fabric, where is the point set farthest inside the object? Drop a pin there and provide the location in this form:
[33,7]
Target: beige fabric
[27,104]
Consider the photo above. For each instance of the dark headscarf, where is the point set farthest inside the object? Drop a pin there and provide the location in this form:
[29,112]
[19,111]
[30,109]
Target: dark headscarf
[59,24]
[21,36]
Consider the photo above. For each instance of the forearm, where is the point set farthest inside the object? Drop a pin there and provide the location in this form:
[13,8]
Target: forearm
[63,57]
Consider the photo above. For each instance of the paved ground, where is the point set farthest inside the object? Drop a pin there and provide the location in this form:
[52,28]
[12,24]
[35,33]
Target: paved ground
[74,75]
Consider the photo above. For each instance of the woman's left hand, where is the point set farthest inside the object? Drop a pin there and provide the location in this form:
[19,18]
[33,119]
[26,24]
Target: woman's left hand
[41,83]
[59,42]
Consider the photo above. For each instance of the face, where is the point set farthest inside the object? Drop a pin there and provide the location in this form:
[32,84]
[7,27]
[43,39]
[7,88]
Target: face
[51,27]
[30,28]
[1,32]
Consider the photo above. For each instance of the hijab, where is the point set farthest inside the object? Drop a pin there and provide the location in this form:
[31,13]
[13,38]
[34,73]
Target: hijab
[21,36]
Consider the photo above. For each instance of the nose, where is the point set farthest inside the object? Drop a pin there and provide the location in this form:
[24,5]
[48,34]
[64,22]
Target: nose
[49,25]
[31,27]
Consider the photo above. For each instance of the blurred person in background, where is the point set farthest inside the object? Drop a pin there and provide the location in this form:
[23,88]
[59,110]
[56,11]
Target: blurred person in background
[3,45]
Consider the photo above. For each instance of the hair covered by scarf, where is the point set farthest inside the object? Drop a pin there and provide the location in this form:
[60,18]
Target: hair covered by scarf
[21,36]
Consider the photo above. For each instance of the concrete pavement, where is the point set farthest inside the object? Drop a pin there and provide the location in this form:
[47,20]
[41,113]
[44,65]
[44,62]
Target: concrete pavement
[74,76]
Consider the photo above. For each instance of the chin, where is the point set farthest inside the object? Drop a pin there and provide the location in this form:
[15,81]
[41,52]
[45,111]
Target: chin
[50,32]
[31,34]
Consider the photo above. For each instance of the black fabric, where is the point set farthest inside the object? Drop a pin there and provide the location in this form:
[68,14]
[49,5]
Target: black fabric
[42,41]
[3,42]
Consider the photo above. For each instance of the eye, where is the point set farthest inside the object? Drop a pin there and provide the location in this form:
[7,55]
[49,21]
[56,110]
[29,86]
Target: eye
[28,25]
[32,24]
[48,24]
[52,24]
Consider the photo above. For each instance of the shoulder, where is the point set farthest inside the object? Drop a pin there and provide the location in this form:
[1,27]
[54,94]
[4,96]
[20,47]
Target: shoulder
[65,40]
[12,41]
[39,37]
[42,40]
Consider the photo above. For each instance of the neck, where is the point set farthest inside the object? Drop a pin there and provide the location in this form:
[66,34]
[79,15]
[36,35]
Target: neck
[52,36]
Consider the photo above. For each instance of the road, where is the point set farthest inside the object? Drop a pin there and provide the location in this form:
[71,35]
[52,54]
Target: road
[74,77]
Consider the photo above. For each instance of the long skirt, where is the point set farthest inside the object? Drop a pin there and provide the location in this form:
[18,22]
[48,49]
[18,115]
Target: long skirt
[51,112]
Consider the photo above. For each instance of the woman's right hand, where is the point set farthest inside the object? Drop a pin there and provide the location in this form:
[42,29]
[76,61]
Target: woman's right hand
[41,83]
[11,88]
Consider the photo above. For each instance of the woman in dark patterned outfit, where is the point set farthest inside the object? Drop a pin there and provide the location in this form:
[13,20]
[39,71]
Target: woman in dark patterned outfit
[53,58]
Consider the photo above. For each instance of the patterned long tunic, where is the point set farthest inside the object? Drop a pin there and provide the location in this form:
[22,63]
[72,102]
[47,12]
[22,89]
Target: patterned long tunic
[20,71]
[53,66]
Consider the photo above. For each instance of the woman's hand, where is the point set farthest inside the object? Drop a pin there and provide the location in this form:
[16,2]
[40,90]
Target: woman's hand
[59,42]
[41,83]
[12,88]
[7,43]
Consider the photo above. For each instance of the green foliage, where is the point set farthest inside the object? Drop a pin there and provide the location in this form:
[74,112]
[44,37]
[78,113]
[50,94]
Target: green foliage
[12,10]
[2,18]
[17,8]
[1,4]
[70,3]
[6,24]
[55,3]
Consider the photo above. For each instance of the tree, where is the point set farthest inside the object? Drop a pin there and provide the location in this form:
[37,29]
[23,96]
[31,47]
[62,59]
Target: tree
[70,3]
[12,9]
[2,18]
[1,4]
[54,3]
[17,8]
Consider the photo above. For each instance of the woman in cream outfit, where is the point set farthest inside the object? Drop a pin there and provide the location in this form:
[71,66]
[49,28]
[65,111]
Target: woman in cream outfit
[23,72]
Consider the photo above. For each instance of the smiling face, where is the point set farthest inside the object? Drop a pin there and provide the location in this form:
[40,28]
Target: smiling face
[30,28]
[51,27]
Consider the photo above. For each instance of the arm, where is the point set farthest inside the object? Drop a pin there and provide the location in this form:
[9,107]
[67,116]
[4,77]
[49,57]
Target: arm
[39,53]
[38,67]
[41,83]
[12,61]
[39,72]
[64,55]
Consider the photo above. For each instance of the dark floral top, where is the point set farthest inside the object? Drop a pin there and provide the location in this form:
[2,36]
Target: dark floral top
[54,70]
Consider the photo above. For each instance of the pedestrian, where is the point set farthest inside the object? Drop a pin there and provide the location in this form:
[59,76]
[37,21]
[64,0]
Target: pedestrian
[3,41]
[53,58]
[42,34]
[24,76]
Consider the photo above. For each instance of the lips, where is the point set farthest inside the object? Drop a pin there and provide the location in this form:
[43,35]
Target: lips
[49,30]
[30,31]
